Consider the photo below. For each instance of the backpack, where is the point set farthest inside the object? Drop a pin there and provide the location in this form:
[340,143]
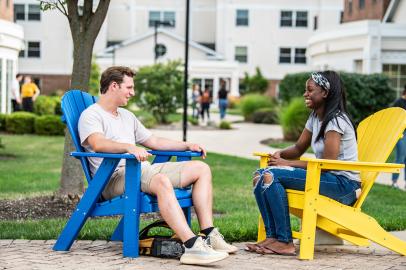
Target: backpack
[158,245]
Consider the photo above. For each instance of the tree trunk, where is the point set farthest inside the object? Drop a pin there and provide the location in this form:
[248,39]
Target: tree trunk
[71,182]
[84,30]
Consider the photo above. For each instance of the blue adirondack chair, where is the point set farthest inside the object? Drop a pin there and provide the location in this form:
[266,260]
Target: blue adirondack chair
[131,203]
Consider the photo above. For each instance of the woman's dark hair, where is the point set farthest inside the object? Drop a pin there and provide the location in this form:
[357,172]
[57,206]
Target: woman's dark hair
[114,74]
[336,102]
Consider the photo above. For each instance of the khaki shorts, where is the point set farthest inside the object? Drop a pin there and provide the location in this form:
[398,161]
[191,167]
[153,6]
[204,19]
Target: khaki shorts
[172,170]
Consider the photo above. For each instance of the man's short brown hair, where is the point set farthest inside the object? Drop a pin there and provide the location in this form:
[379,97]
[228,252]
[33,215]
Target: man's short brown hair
[114,74]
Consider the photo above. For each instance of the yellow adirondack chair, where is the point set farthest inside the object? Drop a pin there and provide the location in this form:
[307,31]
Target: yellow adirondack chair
[377,136]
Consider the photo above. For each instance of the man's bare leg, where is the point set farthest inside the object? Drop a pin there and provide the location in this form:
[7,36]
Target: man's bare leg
[198,173]
[170,210]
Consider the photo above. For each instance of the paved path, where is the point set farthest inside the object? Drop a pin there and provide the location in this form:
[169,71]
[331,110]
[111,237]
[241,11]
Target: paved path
[241,141]
[37,254]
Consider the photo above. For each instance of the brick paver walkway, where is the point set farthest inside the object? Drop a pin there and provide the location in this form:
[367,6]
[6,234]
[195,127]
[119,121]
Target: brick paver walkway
[38,254]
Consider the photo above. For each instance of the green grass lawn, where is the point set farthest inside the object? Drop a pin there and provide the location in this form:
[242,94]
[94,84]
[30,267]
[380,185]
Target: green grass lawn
[35,170]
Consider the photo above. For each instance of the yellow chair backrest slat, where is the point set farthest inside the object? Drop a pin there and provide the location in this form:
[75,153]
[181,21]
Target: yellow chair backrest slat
[377,136]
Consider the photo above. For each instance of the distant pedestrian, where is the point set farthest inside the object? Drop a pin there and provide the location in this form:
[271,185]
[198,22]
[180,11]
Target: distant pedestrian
[196,93]
[15,93]
[29,93]
[223,102]
[205,101]
[401,144]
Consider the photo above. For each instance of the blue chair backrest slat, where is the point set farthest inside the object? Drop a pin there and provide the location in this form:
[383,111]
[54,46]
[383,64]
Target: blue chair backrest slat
[73,103]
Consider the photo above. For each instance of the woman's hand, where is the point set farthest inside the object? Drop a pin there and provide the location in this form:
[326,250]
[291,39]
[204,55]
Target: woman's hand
[276,160]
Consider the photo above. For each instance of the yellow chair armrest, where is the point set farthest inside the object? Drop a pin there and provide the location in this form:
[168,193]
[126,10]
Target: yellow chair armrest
[260,154]
[329,164]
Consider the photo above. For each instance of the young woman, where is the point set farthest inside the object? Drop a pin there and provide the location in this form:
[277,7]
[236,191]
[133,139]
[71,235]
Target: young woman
[332,135]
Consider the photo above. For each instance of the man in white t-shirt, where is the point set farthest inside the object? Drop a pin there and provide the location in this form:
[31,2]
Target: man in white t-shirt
[15,93]
[105,127]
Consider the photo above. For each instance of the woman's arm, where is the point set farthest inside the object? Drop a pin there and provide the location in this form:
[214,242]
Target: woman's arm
[288,156]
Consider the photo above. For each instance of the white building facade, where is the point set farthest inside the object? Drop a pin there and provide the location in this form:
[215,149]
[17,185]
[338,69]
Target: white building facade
[227,37]
[11,42]
[365,46]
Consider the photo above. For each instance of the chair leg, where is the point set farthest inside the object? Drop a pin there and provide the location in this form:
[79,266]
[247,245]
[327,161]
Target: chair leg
[261,230]
[361,224]
[85,206]
[132,206]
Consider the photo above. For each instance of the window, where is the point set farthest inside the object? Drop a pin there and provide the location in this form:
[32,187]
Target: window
[19,12]
[158,16]
[34,13]
[241,54]
[169,17]
[300,55]
[113,42]
[301,19]
[284,55]
[315,20]
[34,49]
[286,18]
[361,4]
[397,76]
[242,17]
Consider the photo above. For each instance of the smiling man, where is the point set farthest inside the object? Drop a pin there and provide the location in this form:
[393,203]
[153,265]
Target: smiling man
[105,127]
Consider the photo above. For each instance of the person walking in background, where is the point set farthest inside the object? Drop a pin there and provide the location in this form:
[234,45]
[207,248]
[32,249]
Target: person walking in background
[196,93]
[29,93]
[222,96]
[401,144]
[15,93]
[205,101]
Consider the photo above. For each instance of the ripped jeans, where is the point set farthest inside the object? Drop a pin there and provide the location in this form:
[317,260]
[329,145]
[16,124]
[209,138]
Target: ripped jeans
[273,202]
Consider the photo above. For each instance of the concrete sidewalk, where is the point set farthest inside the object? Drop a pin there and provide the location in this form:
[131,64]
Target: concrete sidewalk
[37,254]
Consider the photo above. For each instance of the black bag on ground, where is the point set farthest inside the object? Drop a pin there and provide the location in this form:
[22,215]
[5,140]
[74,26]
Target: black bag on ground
[158,245]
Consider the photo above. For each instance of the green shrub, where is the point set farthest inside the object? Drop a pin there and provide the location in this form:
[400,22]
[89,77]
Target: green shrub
[3,122]
[293,119]
[20,122]
[193,121]
[265,116]
[58,109]
[146,118]
[159,89]
[254,84]
[366,94]
[49,125]
[225,125]
[45,105]
[252,102]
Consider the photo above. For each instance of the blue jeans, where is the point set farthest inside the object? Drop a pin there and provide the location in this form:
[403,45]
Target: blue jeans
[273,202]
[223,107]
[400,156]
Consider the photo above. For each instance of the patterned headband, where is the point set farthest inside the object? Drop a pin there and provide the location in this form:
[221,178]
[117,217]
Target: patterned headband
[321,80]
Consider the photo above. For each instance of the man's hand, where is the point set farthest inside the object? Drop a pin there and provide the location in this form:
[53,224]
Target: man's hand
[140,153]
[197,148]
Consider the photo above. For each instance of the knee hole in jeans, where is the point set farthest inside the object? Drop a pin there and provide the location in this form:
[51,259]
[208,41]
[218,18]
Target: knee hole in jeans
[255,179]
[268,179]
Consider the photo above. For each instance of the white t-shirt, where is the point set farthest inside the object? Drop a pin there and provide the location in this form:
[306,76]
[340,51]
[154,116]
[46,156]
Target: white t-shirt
[123,128]
[15,90]
[348,141]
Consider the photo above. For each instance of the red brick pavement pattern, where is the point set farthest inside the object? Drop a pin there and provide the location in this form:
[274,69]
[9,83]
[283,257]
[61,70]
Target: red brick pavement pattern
[38,254]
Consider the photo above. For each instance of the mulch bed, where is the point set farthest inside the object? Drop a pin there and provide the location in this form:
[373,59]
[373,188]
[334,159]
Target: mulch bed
[37,208]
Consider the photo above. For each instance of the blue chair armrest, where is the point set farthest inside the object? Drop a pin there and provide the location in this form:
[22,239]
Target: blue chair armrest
[129,156]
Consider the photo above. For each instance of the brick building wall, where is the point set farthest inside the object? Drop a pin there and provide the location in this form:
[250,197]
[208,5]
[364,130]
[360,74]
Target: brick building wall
[355,10]
[6,10]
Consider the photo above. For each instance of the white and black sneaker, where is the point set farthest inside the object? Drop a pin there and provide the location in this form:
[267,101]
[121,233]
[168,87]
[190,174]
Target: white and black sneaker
[217,242]
[201,254]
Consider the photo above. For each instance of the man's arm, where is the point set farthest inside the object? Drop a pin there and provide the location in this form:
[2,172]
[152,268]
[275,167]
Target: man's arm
[99,143]
[158,143]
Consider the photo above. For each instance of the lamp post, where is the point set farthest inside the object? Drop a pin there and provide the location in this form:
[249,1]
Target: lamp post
[186,70]
[156,25]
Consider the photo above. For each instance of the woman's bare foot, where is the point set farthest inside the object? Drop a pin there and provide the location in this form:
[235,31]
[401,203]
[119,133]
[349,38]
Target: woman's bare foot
[280,248]
[254,246]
